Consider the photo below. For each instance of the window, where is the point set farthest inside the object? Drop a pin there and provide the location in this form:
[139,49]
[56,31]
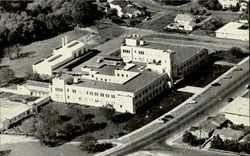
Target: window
[120,106]
[59,89]
[68,97]
[107,95]
[73,91]
[96,94]
[112,96]
[80,98]
[87,92]
[101,94]
[90,93]
[67,90]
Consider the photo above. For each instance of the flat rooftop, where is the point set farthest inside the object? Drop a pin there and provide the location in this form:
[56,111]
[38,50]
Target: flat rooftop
[145,77]
[36,83]
[239,106]
[234,28]
[182,53]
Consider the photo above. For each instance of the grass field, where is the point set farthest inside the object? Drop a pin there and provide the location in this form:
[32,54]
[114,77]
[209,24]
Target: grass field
[159,23]
[206,75]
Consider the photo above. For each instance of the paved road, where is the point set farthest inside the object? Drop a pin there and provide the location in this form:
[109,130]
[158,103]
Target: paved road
[175,151]
[188,39]
[186,113]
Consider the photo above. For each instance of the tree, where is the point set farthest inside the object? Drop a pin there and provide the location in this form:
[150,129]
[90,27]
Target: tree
[6,75]
[218,6]
[12,51]
[191,11]
[33,76]
[88,143]
[108,112]
[236,52]
[217,143]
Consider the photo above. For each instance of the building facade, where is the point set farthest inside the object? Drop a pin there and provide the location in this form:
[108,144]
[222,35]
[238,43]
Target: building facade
[60,56]
[234,30]
[228,3]
[238,111]
[164,58]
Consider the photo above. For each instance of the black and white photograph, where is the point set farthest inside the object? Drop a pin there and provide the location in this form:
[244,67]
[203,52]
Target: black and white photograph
[124,78]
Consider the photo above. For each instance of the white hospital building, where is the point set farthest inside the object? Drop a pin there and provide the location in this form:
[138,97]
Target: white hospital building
[61,55]
[144,71]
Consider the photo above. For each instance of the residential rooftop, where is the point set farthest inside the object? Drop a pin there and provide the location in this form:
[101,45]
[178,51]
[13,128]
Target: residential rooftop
[234,27]
[229,133]
[36,83]
[239,106]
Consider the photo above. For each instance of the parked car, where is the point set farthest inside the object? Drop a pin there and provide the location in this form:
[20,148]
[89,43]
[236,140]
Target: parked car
[227,77]
[230,99]
[237,69]
[168,117]
[216,84]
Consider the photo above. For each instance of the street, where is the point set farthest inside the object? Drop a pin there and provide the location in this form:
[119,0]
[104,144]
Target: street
[206,102]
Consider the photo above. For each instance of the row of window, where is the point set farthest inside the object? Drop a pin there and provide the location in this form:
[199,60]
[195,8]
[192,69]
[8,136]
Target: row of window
[141,52]
[93,100]
[149,89]
[150,96]
[122,75]
[125,51]
[93,93]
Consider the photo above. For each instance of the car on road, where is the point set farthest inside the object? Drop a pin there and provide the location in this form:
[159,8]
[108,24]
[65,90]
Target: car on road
[230,99]
[237,69]
[227,77]
[168,117]
[216,84]
[162,120]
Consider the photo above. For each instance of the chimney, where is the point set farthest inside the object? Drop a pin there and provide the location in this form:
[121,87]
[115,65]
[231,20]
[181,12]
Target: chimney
[66,40]
[62,41]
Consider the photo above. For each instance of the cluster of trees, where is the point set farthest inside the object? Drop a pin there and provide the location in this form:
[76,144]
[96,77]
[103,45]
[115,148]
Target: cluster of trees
[237,52]
[90,144]
[215,5]
[230,145]
[23,22]
[6,75]
[53,128]
[192,140]
[213,25]
[173,2]
[200,11]
[111,115]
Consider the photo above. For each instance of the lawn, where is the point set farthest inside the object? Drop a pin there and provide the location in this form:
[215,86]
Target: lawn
[227,56]
[205,75]
[108,30]
[116,53]
[225,17]
[38,50]
[159,23]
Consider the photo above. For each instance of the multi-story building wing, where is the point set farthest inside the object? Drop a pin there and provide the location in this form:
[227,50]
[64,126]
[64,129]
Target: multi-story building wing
[177,61]
[144,70]
[60,56]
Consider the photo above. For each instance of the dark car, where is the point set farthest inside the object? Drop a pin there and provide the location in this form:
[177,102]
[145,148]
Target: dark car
[216,84]
[168,117]
[230,99]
